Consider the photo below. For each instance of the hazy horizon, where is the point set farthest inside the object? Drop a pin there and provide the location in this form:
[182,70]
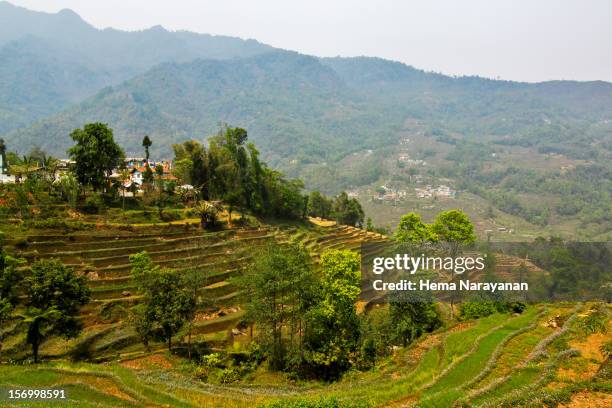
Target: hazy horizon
[512,40]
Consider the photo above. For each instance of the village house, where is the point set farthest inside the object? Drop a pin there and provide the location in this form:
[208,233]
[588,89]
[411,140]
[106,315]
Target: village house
[137,167]
[389,194]
[440,191]
[4,176]
[63,168]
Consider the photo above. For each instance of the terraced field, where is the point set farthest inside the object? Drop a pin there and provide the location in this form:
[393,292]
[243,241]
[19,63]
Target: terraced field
[501,360]
[495,361]
[103,255]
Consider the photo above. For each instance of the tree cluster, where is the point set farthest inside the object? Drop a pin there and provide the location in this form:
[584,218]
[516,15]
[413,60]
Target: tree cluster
[229,169]
[96,155]
[168,300]
[306,318]
[52,297]
[226,170]
[452,228]
[344,210]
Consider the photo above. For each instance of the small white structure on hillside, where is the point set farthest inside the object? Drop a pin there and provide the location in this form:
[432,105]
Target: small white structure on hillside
[4,176]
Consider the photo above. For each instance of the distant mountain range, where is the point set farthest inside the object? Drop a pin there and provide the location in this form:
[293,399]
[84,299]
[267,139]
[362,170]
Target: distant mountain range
[50,61]
[57,72]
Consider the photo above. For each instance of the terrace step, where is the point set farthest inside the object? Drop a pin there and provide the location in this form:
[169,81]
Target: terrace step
[89,237]
[228,321]
[218,289]
[199,261]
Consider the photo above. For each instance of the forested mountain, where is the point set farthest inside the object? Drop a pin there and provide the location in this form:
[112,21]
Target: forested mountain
[179,84]
[38,79]
[293,105]
[313,110]
[483,109]
[50,61]
[337,123]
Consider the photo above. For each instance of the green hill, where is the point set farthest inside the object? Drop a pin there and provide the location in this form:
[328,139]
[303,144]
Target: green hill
[293,106]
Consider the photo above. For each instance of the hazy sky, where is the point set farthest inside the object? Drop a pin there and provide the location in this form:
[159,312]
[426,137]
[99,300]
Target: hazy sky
[528,40]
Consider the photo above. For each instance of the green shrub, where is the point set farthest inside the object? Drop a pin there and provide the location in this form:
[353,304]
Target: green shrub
[475,310]
[517,307]
[93,205]
[229,375]
[257,354]
[56,223]
[212,360]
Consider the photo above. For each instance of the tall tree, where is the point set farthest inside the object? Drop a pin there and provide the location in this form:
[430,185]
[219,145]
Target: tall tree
[191,166]
[167,301]
[319,205]
[412,314]
[146,143]
[142,320]
[278,290]
[333,324]
[412,230]
[55,294]
[147,176]
[453,229]
[96,155]
[194,279]
[170,301]
[347,210]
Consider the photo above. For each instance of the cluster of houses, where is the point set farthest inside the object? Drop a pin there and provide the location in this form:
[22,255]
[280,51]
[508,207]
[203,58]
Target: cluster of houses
[504,230]
[389,194]
[135,166]
[429,191]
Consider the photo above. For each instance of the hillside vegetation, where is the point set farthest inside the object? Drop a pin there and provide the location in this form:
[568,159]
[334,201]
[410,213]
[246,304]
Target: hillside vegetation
[222,352]
[539,152]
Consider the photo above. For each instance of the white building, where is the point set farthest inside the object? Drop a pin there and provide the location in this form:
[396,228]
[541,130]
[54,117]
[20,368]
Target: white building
[4,176]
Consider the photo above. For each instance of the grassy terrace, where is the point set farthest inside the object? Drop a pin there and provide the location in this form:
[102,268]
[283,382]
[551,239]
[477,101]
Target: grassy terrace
[401,380]
[534,371]
[449,386]
[435,371]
